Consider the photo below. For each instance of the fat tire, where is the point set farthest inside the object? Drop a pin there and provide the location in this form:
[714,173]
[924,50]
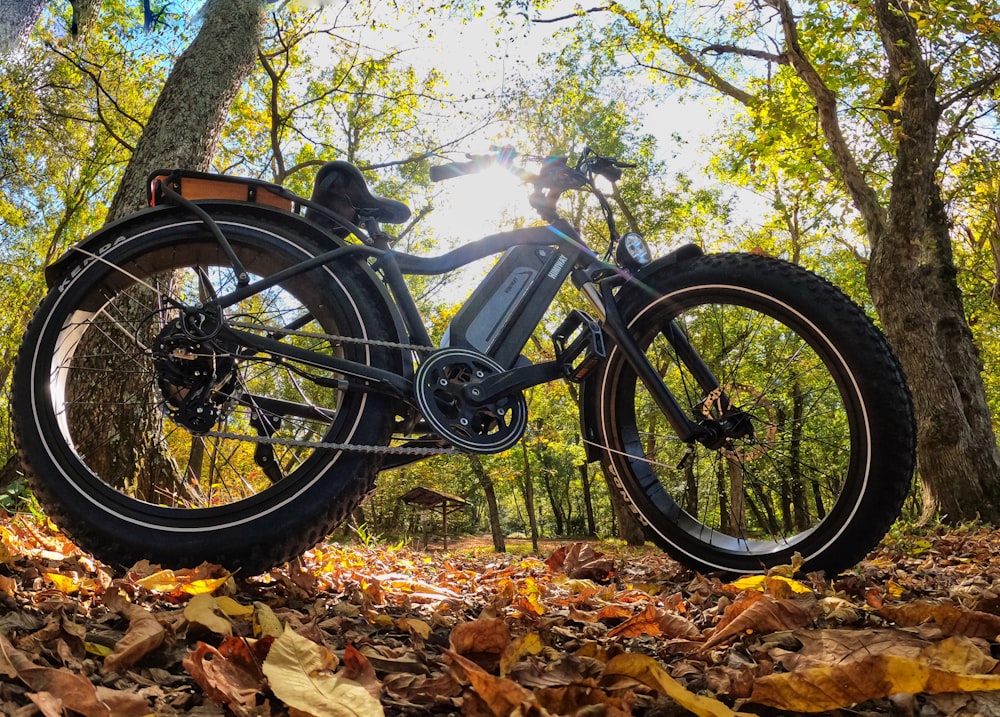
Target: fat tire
[252,534]
[872,390]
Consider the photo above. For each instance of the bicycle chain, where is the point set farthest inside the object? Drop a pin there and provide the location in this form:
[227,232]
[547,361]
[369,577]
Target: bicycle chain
[333,338]
[355,447]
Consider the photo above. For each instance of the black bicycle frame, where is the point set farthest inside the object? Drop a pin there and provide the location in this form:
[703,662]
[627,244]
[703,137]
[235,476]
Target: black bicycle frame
[497,320]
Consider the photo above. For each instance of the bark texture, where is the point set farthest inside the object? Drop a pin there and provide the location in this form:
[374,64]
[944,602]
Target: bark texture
[185,124]
[183,130]
[17,18]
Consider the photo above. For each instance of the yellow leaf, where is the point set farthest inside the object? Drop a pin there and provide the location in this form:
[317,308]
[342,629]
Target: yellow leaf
[760,582]
[265,622]
[63,583]
[940,668]
[199,587]
[296,669]
[414,626]
[646,670]
[527,644]
[232,608]
[163,581]
[203,610]
[95,648]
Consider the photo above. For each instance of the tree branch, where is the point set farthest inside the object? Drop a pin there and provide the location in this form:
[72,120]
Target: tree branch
[864,197]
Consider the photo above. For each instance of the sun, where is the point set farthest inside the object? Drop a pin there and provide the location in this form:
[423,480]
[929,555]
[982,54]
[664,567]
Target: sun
[475,205]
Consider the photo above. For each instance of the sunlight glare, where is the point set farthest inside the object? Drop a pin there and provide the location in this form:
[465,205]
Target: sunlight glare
[475,205]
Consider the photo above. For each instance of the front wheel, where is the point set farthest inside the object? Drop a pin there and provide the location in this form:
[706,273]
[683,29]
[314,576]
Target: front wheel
[820,447]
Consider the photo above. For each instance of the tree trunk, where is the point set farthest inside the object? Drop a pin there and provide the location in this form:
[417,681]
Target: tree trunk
[912,279]
[911,276]
[629,528]
[529,497]
[588,502]
[491,502]
[183,129]
[17,18]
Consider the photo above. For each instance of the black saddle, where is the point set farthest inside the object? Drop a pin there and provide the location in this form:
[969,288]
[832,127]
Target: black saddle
[340,187]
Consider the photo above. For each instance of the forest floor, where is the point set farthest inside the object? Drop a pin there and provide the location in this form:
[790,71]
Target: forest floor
[581,629]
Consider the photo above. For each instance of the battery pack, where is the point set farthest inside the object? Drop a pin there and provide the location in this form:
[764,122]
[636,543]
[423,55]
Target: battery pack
[503,311]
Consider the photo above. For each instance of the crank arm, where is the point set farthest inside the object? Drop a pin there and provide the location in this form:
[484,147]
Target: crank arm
[479,393]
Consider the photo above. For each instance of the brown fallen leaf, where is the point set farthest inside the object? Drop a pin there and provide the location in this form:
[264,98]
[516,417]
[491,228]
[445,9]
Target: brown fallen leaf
[228,680]
[144,635]
[357,667]
[950,619]
[483,640]
[766,615]
[70,690]
[581,561]
[937,669]
[501,696]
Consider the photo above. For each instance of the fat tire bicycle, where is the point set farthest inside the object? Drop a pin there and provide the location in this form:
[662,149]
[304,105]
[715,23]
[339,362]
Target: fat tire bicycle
[221,376]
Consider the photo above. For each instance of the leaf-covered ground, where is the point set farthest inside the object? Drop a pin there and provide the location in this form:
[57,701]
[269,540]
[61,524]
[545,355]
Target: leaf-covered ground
[580,630]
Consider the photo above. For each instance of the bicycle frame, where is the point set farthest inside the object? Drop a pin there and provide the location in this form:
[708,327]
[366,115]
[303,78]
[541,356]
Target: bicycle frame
[534,290]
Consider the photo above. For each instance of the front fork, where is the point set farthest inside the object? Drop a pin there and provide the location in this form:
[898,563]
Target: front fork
[706,432]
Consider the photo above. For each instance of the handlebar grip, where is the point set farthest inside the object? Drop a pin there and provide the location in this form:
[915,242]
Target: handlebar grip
[441,172]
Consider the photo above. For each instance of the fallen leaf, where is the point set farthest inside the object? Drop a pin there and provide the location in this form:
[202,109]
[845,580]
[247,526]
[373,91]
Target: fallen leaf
[950,619]
[72,691]
[580,560]
[500,695]
[764,616]
[144,635]
[528,644]
[484,636]
[297,670]
[203,610]
[265,623]
[647,670]
[819,689]
[766,582]
[226,679]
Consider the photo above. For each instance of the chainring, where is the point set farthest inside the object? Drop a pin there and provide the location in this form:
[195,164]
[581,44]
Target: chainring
[441,381]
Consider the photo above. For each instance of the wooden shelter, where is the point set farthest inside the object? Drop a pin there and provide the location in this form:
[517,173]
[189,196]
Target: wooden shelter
[427,500]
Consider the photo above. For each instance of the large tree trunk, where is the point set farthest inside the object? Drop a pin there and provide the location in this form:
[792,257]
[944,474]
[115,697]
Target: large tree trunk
[184,127]
[913,282]
[911,276]
[17,18]
[183,130]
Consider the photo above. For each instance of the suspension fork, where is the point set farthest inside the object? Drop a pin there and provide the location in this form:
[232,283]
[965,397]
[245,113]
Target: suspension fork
[687,429]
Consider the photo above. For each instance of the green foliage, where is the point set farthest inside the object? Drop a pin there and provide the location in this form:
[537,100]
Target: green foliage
[15,496]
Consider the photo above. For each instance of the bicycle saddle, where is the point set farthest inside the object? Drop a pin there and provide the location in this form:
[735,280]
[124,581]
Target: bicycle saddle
[341,187]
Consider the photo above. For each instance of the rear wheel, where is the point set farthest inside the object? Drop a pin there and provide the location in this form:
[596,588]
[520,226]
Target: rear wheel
[820,447]
[149,433]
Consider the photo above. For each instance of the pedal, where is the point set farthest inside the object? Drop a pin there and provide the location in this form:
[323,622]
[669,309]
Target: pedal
[579,345]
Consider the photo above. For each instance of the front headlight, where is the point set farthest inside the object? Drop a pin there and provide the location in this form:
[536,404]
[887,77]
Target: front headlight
[633,251]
